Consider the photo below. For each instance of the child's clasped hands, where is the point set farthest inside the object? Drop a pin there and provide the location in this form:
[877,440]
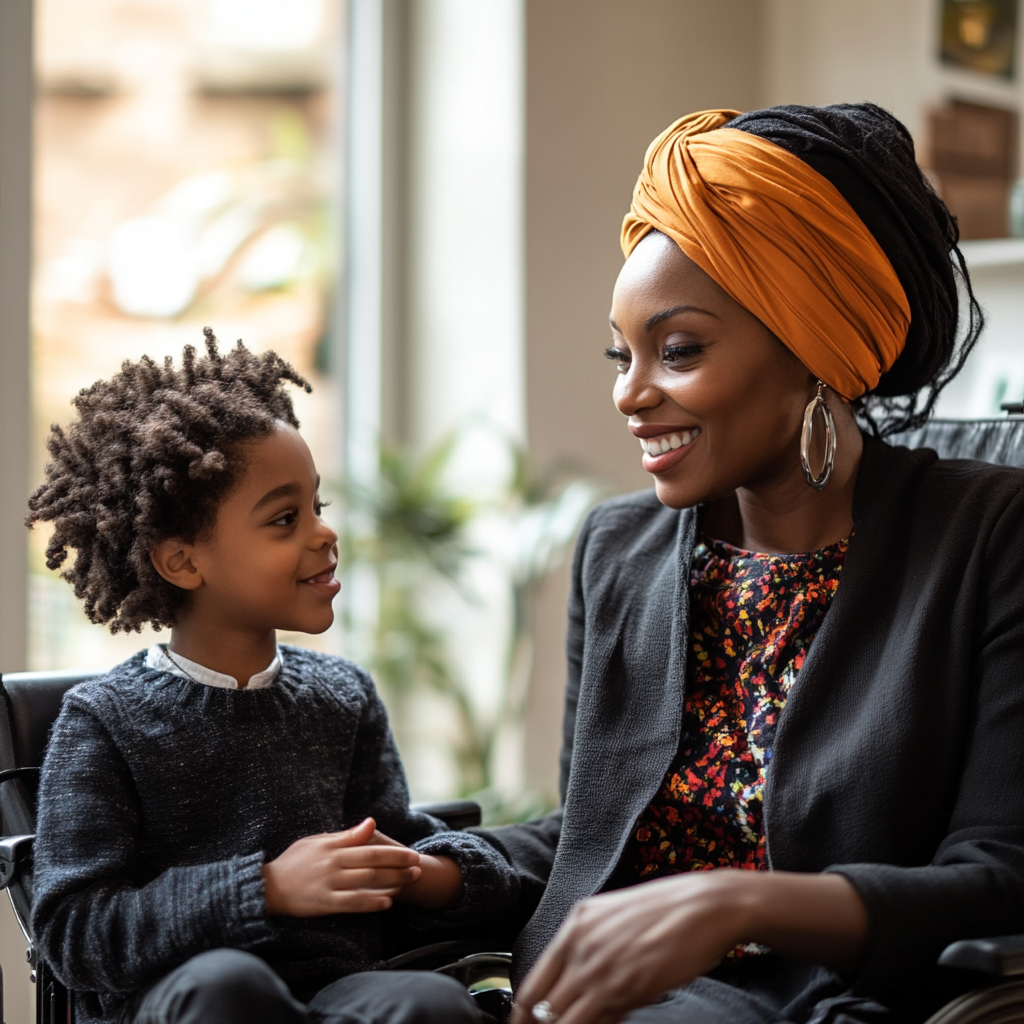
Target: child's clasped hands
[357,871]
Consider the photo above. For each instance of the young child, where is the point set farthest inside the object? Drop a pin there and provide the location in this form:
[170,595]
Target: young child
[207,847]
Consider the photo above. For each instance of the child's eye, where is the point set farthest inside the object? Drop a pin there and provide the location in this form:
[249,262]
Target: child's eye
[620,358]
[285,519]
[319,505]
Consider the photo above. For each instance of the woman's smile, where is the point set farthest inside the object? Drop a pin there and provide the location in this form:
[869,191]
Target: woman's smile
[663,445]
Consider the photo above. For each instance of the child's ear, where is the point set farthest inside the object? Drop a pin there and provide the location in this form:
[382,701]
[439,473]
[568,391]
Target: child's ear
[172,558]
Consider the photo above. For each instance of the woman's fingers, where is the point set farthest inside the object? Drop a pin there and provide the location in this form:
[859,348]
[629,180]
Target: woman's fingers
[590,1008]
[540,981]
[596,992]
[571,974]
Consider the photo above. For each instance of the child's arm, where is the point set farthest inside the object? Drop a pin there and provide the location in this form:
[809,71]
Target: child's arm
[100,925]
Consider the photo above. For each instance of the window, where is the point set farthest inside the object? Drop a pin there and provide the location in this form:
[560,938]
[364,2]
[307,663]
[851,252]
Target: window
[187,161]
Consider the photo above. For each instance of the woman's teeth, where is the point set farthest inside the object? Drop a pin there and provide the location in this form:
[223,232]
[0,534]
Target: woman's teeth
[667,442]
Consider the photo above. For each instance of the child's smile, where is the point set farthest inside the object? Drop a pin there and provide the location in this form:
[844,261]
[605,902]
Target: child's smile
[324,581]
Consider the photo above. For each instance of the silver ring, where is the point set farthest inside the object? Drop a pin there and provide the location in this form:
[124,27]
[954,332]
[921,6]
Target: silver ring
[543,1013]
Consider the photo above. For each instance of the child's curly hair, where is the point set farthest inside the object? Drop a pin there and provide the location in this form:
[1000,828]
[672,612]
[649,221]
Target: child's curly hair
[153,452]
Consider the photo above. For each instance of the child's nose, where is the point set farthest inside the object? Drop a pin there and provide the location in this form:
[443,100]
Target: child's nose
[325,536]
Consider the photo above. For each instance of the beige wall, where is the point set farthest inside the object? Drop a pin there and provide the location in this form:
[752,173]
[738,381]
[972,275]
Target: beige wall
[834,51]
[603,77]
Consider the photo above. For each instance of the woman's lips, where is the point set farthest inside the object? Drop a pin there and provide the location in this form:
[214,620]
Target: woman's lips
[324,582]
[665,450]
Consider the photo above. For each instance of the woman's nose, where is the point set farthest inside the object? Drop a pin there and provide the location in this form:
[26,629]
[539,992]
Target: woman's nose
[634,391]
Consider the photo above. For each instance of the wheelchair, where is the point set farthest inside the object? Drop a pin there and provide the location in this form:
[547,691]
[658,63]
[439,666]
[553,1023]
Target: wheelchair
[30,702]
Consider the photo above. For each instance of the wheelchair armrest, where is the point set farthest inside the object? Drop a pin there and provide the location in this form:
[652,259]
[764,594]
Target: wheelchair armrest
[1002,956]
[14,850]
[456,814]
[20,773]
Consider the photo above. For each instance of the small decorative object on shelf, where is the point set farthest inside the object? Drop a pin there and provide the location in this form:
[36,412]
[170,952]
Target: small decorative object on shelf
[980,35]
[973,150]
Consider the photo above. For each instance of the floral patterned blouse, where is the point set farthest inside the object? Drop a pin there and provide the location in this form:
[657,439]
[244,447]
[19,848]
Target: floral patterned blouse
[752,619]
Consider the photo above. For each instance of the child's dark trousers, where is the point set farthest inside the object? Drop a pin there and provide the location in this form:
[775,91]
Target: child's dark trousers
[227,986]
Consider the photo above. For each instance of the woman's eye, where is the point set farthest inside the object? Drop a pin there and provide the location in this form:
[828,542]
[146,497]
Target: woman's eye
[680,353]
[620,358]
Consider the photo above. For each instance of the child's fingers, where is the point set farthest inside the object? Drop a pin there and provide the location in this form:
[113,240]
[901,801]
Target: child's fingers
[379,839]
[358,835]
[362,901]
[372,878]
[376,857]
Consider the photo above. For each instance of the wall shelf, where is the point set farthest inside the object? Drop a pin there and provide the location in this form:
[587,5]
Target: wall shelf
[993,252]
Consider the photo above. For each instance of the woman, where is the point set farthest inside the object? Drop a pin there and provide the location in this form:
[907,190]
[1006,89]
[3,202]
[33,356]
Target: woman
[851,716]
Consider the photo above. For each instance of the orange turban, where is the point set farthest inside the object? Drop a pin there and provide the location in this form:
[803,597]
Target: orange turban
[781,240]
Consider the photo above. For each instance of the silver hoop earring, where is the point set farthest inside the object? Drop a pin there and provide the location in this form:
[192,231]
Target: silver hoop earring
[816,403]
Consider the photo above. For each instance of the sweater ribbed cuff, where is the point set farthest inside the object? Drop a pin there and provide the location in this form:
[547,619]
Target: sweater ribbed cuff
[248,905]
[490,888]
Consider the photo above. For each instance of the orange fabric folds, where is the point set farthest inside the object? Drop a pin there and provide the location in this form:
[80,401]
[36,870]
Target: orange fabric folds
[781,240]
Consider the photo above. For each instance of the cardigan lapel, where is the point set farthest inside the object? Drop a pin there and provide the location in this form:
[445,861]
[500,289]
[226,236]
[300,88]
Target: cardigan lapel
[808,767]
[628,724]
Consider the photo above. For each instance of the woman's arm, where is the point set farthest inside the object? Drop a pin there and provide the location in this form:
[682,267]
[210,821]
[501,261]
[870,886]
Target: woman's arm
[623,949]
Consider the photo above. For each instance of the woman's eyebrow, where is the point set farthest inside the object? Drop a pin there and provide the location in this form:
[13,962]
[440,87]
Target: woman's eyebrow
[653,321]
[656,318]
[284,491]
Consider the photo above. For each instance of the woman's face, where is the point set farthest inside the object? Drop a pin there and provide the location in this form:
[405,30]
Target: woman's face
[703,379]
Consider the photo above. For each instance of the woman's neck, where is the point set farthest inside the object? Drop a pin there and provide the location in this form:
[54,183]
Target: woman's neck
[783,514]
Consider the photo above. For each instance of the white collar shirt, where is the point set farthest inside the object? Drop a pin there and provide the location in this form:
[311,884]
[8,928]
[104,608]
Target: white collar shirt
[157,657]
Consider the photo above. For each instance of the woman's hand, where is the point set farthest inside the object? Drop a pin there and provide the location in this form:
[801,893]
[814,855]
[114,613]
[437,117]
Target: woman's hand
[350,872]
[621,950]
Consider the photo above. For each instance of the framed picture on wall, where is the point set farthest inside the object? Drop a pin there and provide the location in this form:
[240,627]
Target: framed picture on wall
[980,35]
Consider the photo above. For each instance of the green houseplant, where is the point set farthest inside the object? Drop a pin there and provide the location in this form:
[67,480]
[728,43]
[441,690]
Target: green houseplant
[411,534]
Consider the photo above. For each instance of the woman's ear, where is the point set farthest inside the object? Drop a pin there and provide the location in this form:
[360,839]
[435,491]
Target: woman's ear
[172,558]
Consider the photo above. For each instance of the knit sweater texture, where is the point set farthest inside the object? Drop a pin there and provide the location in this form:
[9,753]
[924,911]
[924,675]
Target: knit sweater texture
[161,799]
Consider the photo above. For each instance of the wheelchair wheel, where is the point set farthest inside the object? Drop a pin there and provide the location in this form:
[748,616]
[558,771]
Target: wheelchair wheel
[1001,1004]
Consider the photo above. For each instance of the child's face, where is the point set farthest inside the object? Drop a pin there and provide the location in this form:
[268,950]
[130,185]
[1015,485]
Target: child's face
[269,561]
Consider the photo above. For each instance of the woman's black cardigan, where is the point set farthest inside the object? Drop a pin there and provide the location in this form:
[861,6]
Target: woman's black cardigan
[899,758]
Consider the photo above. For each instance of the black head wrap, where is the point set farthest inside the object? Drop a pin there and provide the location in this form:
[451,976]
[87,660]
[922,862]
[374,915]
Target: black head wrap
[869,157]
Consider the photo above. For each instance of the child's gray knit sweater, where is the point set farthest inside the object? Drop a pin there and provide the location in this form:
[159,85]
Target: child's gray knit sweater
[162,798]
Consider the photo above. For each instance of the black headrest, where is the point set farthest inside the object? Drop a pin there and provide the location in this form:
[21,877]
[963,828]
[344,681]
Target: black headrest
[32,702]
[999,441]
[29,705]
